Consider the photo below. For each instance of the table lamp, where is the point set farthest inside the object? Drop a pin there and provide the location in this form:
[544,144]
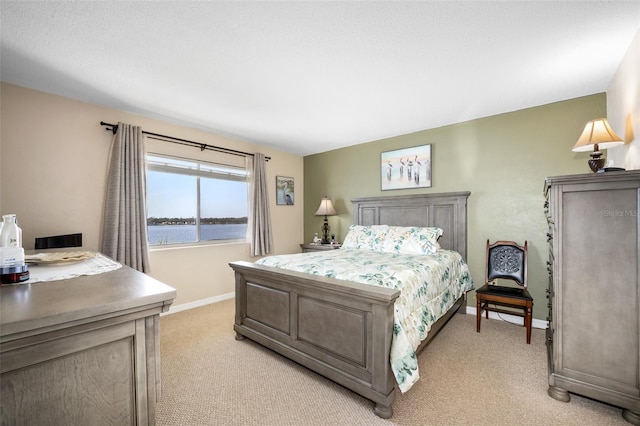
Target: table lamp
[597,134]
[325,209]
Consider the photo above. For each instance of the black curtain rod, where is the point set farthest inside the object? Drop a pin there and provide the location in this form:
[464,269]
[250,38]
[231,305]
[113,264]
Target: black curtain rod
[114,127]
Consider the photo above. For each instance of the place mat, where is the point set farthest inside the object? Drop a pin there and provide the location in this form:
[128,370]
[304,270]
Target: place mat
[52,271]
[58,257]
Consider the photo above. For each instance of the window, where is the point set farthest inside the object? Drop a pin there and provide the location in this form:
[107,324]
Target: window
[190,201]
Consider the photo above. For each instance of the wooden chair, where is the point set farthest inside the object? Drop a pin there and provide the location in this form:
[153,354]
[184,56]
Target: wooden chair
[505,260]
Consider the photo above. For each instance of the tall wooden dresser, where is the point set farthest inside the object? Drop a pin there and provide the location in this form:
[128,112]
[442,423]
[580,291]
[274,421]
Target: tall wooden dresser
[594,288]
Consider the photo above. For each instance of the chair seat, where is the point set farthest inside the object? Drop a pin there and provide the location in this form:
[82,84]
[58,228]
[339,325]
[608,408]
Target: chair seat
[496,290]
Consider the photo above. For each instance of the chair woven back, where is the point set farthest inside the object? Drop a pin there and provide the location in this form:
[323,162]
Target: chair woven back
[507,260]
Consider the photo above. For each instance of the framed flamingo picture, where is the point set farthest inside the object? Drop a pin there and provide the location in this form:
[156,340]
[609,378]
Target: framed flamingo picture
[406,168]
[284,191]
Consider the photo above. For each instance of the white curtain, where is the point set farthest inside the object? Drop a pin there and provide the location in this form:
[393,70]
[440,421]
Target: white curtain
[124,235]
[260,216]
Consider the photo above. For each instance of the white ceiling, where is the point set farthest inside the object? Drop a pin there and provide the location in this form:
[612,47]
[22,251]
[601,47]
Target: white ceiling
[308,77]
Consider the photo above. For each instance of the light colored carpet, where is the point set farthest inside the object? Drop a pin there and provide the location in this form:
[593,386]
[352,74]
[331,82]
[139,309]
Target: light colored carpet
[467,378]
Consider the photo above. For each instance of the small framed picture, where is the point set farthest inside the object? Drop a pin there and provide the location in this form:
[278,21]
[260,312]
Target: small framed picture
[406,168]
[284,191]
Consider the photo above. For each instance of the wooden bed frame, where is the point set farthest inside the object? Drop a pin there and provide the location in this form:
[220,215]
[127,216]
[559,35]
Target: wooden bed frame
[341,329]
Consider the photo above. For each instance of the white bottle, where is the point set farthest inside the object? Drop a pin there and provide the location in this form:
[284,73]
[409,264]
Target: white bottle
[11,234]
[316,239]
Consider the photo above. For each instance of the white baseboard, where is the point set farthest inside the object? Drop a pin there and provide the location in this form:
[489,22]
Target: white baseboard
[535,323]
[199,303]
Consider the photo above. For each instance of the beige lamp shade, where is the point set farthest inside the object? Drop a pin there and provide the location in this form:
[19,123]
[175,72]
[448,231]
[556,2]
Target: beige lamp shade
[597,134]
[326,208]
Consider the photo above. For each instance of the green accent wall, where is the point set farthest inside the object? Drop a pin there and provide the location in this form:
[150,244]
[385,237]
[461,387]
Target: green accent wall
[503,160]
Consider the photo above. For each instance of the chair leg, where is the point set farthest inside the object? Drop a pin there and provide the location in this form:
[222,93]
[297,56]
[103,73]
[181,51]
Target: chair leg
[478,314]
[527,322]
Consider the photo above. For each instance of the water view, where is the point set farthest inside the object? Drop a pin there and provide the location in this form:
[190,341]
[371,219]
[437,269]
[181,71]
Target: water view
[176,234]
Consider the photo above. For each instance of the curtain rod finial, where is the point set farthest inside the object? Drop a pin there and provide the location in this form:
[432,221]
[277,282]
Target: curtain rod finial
[112,127]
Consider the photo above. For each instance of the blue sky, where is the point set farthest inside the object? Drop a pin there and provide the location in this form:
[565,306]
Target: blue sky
[171,195]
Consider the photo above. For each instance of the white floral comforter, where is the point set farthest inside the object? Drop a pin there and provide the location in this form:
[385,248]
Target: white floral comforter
[429,285]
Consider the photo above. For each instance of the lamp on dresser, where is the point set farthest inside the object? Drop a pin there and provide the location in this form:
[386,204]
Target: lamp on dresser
[325,209]
[597,134]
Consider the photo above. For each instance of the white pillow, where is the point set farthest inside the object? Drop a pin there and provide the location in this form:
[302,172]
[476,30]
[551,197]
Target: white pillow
[412,240]
[365,237]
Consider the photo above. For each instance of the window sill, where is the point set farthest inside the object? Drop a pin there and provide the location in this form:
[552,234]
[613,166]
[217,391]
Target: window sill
[196,245]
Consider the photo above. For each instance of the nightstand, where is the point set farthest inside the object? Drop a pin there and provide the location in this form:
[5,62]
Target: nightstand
[318,247]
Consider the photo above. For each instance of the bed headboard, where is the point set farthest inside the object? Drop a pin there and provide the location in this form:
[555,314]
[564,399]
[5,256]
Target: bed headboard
[447,211]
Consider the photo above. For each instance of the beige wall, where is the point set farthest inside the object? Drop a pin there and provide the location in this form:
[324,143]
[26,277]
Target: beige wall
[53,163]
[623,108]
[503,160]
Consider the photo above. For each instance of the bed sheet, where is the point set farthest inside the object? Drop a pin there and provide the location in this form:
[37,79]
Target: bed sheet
[429,285]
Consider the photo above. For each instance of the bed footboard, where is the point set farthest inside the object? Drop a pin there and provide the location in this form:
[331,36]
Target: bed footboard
[339,329]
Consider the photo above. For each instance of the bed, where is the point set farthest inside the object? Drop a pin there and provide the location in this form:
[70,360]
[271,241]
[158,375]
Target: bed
[344,329]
